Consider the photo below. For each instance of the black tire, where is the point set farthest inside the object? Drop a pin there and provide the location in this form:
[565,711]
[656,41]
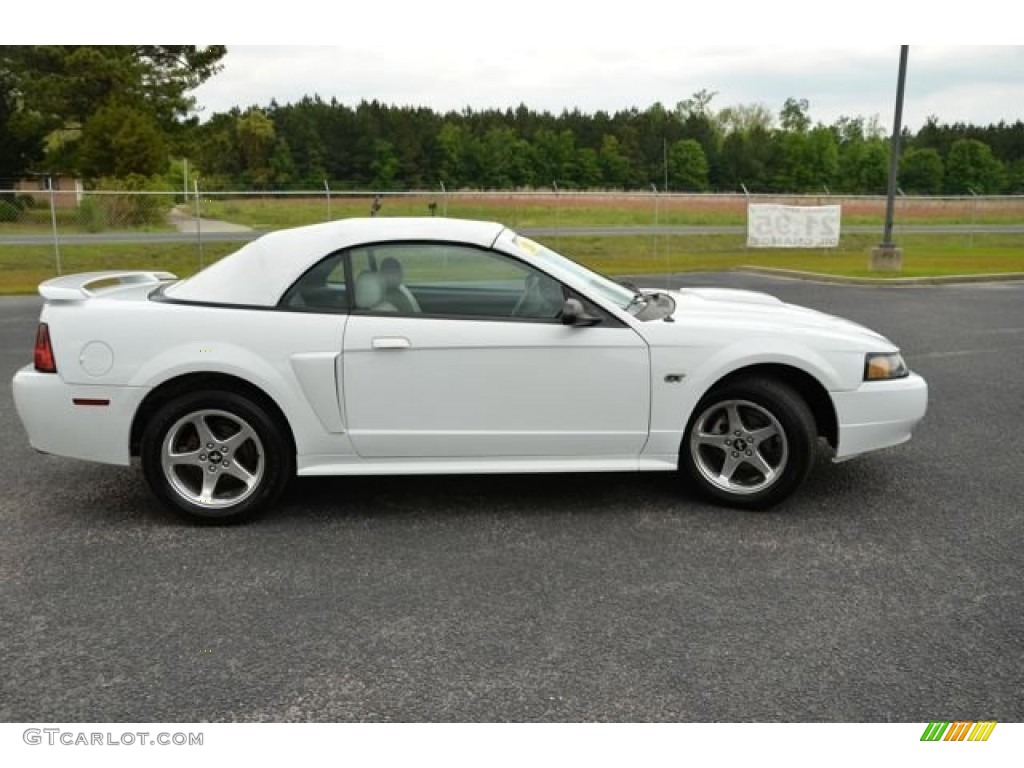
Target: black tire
[749,444]
[246,469]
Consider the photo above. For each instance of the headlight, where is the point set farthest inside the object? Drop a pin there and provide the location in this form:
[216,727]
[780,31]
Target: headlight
[879,366]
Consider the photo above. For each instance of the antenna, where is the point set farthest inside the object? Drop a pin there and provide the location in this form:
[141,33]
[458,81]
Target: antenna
[656,234]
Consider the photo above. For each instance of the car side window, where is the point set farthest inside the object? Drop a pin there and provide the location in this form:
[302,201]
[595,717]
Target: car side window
[321,289]
[448,280]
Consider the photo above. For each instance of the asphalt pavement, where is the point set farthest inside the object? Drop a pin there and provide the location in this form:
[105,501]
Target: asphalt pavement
[888,589]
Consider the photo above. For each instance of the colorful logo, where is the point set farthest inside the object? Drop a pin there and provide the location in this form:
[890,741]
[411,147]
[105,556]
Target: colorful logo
[961,730]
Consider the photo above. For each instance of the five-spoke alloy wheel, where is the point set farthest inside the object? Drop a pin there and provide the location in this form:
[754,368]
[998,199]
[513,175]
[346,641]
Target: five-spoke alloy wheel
[750,443]
[216,456]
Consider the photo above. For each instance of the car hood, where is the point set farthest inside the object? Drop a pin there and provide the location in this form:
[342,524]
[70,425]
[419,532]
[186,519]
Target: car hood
[762,312]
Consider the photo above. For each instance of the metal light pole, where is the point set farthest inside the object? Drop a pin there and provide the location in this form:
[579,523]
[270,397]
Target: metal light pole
[887,257]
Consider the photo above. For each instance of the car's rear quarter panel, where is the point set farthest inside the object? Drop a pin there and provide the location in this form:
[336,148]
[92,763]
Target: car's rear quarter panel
[290,356]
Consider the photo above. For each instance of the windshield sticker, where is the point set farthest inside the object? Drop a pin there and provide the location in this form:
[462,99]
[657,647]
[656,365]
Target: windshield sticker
[527,245]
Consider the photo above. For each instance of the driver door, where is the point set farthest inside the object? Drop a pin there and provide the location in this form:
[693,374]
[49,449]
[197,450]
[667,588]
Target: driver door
[485,367]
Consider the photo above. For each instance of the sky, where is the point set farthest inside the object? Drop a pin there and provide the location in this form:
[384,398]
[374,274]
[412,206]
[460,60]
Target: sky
[977,84]
[592,55]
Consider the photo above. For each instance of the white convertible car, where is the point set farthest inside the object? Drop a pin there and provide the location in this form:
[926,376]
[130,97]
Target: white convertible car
[408,346]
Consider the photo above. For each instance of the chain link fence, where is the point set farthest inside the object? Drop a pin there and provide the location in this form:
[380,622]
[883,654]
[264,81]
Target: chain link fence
[70,230]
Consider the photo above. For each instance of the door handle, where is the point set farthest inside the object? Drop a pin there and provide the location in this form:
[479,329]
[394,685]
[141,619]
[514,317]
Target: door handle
[391,342]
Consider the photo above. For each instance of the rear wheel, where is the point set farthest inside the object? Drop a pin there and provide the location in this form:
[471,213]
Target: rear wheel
[749,443]
[216,457]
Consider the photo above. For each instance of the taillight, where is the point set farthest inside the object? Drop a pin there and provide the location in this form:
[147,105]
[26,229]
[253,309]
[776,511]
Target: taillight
[44,352]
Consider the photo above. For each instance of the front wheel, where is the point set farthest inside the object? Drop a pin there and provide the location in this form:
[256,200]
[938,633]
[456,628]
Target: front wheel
[749,443]
[216,457]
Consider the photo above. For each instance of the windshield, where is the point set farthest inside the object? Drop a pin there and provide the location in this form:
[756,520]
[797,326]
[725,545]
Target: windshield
[643,305]
[614,292]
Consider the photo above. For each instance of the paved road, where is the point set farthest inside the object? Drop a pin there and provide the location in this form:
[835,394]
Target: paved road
[189,224]
[889,589]
[234,233]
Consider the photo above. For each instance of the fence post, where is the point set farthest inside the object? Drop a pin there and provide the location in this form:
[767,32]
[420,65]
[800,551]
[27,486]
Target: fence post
[824,250]
[746,216]
[558,217]
[199,225]
[53,222]
[657,217]
[974,216]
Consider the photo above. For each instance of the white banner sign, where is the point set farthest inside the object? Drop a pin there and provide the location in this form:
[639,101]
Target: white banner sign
[793,226]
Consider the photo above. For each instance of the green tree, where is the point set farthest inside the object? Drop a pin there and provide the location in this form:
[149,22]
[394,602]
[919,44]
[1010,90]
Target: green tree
[921,172]
[301,127]
[504,159]
[118,141]
[971,166]
[69,83]
[744,119]
[1015,177]
[554,156]
[384,165]
[613,162]
[863,156]
[283,170]
[67,87]
[820,160]
[456,156]
[588,169]
[871,168]
[696,121]
[21,137]
[217,157]
[256,140]
[742,144]
[794,117]
[785,160]
[740,163]
[687,166]
[934,135]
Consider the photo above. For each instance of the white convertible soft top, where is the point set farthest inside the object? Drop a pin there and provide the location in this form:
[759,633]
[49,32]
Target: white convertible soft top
[260,272]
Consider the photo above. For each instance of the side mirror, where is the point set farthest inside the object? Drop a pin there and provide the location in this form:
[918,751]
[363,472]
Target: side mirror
[573,313]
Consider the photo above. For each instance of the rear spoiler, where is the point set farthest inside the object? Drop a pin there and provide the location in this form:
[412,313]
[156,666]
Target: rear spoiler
[84,285]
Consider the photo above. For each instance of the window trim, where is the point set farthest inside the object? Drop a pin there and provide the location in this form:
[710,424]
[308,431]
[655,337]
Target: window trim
[608,320]
[342,254]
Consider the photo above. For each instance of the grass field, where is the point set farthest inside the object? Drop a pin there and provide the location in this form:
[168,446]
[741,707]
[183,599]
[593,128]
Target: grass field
[534,209]
[22,268]
[607,210]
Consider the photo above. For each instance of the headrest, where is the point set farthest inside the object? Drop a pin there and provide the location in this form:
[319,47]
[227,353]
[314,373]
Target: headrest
[369,290]
[391,271]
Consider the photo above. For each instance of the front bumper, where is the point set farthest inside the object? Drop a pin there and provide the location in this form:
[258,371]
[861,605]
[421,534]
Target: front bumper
[55,424]
[879,414]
